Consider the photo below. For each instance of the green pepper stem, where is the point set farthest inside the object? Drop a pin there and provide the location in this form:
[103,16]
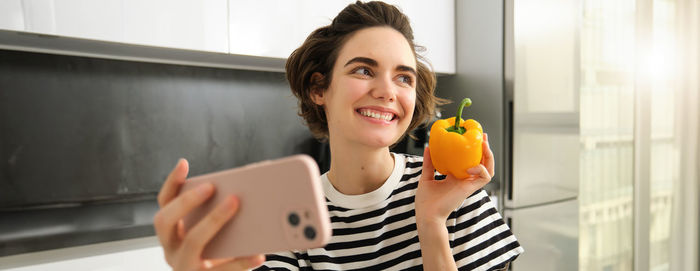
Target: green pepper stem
[466,102]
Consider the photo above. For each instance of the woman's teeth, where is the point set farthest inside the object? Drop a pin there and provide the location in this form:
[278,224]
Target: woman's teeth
[377,115]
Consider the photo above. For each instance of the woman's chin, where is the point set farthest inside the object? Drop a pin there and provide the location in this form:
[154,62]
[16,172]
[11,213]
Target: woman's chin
[380,141]
[370,138]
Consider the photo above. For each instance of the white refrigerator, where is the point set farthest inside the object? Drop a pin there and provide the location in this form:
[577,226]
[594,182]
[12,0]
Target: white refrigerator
[541,112]
[519,62]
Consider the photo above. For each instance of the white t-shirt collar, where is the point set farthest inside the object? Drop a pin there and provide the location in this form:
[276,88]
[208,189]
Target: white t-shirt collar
[368,199]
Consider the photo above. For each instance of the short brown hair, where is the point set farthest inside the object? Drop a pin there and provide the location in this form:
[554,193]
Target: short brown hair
[320,50]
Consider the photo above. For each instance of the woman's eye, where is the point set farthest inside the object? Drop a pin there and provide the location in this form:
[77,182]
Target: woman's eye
[405,79]
[362,71]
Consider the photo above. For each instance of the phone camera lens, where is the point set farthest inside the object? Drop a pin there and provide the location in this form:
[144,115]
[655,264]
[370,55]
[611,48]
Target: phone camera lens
[309,233]
[293,219]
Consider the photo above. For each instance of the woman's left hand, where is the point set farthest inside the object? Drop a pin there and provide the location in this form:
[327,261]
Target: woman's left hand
[435,200]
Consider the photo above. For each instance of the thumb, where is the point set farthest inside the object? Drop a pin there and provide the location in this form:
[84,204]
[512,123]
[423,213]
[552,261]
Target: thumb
[182,169]
[428,171]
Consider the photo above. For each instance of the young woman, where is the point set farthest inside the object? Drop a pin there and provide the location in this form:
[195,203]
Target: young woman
[360,86]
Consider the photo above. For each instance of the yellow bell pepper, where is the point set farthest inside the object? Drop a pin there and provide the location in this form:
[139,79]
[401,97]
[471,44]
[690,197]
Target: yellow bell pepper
[455,147]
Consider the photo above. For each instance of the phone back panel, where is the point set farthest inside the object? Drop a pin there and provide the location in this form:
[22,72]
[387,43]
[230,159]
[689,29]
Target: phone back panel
[282,208]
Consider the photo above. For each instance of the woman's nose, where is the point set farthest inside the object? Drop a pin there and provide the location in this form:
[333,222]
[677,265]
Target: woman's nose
[383,88]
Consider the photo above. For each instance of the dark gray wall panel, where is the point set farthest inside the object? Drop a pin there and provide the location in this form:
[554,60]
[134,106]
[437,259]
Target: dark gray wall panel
[76,129]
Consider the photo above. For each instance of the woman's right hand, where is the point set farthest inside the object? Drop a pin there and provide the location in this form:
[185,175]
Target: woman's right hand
[182,249]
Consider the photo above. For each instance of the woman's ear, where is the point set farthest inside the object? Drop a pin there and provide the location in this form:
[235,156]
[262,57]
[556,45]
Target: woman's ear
[316,89]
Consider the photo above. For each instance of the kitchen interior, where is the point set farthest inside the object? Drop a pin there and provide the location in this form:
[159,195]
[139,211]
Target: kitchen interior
[591,108]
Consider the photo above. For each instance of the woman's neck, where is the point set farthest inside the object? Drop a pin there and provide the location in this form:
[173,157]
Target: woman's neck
[358,170]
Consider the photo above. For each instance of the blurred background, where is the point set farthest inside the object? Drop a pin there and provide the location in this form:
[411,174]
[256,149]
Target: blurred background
[591,107]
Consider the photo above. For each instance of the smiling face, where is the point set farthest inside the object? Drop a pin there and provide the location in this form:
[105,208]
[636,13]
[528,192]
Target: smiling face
[372,94]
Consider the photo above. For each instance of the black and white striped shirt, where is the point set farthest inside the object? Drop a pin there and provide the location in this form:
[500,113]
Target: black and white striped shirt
[377,230]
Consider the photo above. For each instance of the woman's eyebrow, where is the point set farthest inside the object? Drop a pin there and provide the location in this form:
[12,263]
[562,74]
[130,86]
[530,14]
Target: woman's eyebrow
[374,63]
[405,68]
[365,60]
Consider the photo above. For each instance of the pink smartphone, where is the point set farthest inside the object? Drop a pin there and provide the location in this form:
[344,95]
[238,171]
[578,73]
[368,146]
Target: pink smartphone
[282,208]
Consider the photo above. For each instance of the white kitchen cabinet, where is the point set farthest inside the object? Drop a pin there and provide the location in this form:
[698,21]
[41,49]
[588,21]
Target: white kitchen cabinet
[96,20]
[274,28]
[38,16]
[433,24]
[11,15]
[185,24]
[124,255]
[255,34]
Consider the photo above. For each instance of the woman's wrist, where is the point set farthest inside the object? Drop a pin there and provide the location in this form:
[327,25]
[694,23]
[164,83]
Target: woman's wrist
[426,217]
[430,223]
[435,245]
[433,234]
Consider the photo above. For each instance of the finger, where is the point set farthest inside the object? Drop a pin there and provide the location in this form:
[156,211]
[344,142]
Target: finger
[241,263]
[480,172]
[200,234]
[428,171]
[180,229]
[172,184]
[487,156]
[166,219]
[209,263]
